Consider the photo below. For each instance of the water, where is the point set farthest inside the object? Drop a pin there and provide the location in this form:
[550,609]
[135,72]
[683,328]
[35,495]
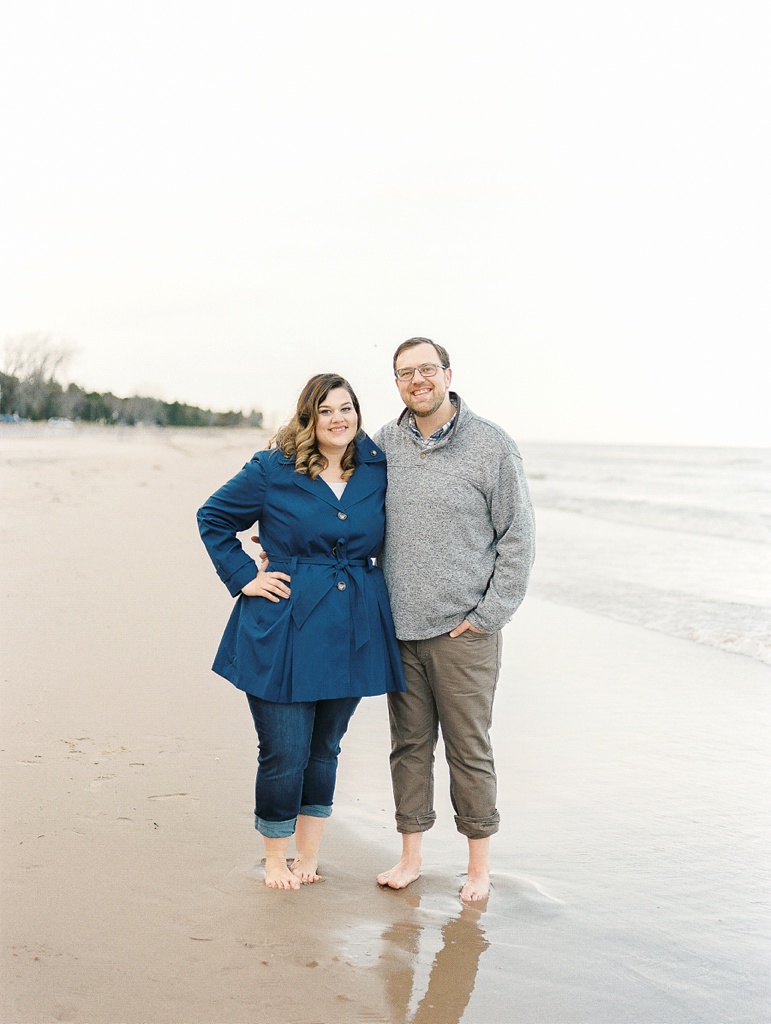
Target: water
[673,539]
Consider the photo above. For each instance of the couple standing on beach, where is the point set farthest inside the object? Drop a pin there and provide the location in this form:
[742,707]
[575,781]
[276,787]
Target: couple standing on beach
[439,559]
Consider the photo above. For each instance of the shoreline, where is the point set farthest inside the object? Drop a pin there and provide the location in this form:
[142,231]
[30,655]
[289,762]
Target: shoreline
[726,624]
[59,426]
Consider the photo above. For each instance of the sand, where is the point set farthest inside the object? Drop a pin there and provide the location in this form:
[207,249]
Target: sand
[630,875]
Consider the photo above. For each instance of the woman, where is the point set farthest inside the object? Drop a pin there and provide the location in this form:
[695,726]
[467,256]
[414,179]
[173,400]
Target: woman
[312,633]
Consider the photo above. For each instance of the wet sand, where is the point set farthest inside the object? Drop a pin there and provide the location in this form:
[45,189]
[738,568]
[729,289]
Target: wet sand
[630,875]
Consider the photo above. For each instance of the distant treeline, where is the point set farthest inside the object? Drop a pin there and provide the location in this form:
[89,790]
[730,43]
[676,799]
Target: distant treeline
[32,392]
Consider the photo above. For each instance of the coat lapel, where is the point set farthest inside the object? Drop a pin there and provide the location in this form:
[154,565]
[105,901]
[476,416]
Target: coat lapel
[363,482]
[315,487]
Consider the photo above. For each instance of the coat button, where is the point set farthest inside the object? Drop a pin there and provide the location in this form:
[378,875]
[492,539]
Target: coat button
[341,515]
[341,585]
[422,455]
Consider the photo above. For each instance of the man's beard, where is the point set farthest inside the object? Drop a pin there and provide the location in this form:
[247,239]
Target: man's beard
[437,398]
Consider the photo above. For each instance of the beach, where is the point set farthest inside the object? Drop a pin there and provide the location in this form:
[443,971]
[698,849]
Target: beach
[631,879]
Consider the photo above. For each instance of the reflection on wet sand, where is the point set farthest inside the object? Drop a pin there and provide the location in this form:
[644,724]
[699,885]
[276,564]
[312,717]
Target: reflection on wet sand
[443,997]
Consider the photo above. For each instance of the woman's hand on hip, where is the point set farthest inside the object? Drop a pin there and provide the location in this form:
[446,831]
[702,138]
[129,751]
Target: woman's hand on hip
[264,562]
[268,584]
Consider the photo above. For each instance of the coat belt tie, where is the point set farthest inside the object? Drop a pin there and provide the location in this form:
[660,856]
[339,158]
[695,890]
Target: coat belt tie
[343,572]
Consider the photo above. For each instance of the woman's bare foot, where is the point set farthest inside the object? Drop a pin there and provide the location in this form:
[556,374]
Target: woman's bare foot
[307,840]
[278,875]
[306,869]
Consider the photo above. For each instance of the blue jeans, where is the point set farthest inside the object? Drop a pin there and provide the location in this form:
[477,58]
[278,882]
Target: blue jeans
[297,761]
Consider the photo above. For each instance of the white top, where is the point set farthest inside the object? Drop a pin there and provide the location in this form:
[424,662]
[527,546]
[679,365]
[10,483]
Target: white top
[337,488]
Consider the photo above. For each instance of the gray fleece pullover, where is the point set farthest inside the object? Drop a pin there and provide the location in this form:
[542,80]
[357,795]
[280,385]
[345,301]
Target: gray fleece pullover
[460,537]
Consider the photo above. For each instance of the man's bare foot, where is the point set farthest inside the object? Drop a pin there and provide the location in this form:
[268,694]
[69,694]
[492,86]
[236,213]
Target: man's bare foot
[278,875]
[408,868]
[306,869]
[401,875]
[477,887]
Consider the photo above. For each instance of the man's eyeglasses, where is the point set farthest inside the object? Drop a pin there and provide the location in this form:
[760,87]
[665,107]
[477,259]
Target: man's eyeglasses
[425,370]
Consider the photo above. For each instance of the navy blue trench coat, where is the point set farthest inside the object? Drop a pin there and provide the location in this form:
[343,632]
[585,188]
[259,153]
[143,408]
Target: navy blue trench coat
[334,637]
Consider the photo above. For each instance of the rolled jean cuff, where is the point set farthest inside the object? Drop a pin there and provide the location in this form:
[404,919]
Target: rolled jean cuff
[478,828]
[275,829]
[316,810]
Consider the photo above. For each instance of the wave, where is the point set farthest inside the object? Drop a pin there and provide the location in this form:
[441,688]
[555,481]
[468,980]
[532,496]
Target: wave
[660,515]
[730,626]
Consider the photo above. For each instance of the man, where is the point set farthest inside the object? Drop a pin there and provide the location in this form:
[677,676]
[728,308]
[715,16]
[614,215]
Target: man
[458,550]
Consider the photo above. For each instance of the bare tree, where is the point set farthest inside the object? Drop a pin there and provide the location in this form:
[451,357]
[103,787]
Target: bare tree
[35,355]
[31,363]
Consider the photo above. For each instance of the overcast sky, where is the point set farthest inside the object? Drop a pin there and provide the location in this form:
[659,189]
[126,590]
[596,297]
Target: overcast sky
[213,200]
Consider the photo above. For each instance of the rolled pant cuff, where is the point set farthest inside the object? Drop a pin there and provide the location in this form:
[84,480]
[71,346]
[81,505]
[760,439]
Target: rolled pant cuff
[415,822]
[316,810]
[275,829]
[478,828]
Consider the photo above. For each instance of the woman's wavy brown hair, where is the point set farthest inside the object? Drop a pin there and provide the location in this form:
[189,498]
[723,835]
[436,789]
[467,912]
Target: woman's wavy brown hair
[297,439]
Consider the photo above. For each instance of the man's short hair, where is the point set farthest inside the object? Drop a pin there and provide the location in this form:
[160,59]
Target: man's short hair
[444,355]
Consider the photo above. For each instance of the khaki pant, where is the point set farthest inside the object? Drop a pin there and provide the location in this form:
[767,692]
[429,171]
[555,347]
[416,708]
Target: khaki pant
[450,683]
